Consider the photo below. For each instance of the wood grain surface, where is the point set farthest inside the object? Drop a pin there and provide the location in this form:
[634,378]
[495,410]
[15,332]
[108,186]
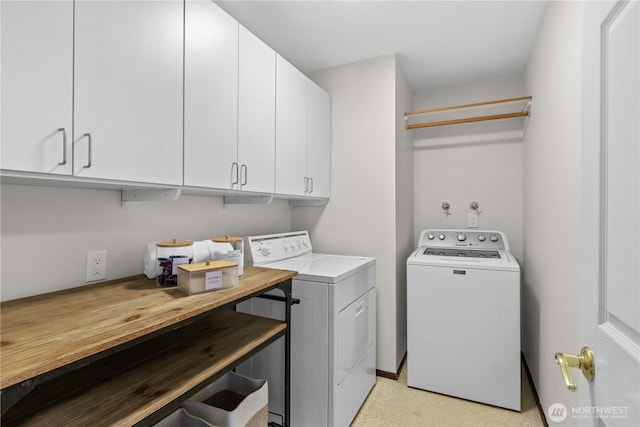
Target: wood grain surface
[158,372]
[42,333]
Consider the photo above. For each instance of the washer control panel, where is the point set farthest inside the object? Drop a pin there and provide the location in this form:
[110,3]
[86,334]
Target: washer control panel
[472,239]
[275,247]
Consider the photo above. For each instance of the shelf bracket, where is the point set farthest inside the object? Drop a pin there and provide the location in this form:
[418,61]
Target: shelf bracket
[307,202]
[249,199]
[149,194]
[12,395]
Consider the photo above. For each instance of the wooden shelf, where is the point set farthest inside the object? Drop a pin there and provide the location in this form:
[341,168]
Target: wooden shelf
[76,338]
[185,360]
[471,113]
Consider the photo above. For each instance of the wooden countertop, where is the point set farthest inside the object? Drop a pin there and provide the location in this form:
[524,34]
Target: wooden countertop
[42,333]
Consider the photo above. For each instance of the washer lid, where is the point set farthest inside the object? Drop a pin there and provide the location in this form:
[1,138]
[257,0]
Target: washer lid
[324,268]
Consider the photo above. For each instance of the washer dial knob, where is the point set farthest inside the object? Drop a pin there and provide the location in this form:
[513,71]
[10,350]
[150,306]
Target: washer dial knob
[441,236]
[494,237]
[431,236]
[461,237]
[482,238]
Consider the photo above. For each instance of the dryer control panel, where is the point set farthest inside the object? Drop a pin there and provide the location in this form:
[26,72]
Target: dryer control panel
[471,239]
[276,247]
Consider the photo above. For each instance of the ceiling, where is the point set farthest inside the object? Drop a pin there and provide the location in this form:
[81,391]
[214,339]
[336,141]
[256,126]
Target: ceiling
[438,43]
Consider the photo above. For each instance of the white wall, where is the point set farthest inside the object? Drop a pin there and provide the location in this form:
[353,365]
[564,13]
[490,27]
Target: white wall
[47,231]
[488,172]
[360,218]
[404,207]
[552,187]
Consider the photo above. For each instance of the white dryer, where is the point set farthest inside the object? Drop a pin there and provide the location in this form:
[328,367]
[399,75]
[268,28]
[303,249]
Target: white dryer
[333,331]
[463,316]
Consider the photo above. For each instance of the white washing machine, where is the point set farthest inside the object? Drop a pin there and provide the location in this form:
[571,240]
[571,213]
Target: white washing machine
[333,331]
[463,317]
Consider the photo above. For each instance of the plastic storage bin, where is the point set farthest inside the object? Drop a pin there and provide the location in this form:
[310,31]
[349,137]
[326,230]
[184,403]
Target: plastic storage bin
[233,401]
[170,255]
[181,418]
[207,276]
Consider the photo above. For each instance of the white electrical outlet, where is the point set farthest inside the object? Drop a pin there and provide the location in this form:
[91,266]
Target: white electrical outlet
[472,220]
[96,265]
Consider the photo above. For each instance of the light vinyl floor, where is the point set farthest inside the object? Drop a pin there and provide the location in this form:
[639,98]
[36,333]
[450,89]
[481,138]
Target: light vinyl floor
[393,404]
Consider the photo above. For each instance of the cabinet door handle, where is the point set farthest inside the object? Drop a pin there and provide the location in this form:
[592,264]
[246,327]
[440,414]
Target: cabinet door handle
[88,136]
[306,184]
[64,146]
[244,181]
[311,181]
[234,176]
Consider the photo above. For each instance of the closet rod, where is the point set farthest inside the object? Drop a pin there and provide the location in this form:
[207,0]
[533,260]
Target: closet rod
[468,120]
[477,104]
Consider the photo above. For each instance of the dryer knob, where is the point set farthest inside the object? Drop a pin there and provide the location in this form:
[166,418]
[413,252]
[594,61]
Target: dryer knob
[461,237]
[494,237]
[441,237]
[265,251]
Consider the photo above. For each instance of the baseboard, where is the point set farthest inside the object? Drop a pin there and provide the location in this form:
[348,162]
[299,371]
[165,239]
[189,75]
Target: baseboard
[391,375]
[533,389]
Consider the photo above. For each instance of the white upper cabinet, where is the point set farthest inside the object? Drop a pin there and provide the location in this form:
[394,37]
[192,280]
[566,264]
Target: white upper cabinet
[37,79]
[256,114]
[303,134]
[211,96]
[318,141]
[291,129]
[165,92]
[128,90]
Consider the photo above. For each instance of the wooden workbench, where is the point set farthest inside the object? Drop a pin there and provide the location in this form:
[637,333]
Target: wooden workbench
[125,352]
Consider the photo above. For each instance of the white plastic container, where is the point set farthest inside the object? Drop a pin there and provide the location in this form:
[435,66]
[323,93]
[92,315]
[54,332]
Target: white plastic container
[207,276]
[237,254]
[181,418]
[233,400]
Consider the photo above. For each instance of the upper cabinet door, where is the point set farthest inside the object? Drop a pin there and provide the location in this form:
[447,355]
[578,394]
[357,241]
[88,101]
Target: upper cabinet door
[291,129]
[318,141]
[211,96]
[256,114]
[37,79]
[128,90]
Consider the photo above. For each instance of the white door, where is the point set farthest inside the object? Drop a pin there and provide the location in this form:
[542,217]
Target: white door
[610,310]
[37,79]
[128,90]
[256,114]
[211,96]
[318,141]
[291,129]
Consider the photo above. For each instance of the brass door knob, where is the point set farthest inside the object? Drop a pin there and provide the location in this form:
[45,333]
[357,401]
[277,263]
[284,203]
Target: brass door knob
[584,361]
